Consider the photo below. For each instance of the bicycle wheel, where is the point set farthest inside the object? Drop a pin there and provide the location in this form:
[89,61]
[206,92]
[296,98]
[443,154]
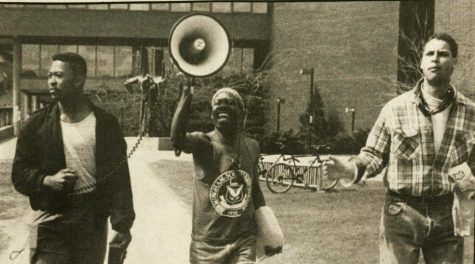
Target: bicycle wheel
[328,184]
[280,178]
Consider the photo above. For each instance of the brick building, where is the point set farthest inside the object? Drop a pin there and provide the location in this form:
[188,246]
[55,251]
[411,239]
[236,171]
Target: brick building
[353,47]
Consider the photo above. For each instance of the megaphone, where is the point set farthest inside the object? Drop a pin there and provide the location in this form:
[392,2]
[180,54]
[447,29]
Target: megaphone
[199,45]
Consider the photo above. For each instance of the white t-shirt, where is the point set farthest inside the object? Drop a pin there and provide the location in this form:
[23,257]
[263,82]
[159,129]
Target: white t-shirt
[79,140]
[439,120]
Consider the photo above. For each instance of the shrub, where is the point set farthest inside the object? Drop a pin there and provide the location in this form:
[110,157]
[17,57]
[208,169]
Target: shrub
[348,144]
[269,144]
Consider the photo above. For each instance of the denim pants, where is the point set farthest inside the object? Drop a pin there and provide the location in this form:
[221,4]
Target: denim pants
[242,251]
[408,228]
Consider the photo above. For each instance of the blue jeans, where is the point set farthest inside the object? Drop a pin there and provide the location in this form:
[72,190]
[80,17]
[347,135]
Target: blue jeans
[242,251]
[407,228]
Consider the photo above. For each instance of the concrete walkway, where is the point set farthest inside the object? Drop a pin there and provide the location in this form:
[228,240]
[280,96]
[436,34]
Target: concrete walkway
[161,232]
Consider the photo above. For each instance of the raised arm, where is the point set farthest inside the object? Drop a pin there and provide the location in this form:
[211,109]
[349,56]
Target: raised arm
[180,118]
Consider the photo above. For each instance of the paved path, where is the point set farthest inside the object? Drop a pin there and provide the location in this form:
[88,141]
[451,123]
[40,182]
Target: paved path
[161,232]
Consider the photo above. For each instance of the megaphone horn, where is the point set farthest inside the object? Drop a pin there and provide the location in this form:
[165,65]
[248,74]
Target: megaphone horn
[199,45]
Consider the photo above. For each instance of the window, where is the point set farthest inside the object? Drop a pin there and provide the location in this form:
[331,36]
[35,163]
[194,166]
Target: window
[105,61]
[123,61]
[47,52]
[98,6]
[201,7]
[102,61]
[77,6]
[223,7]
[242,7]
[30,65]
[180,7]
[13,6]
[259,8]
[140,7]
[35,6]
[247,60]
[233,64]
[56,6]
[89,54]
[161,6]
[68,48]
[119,6]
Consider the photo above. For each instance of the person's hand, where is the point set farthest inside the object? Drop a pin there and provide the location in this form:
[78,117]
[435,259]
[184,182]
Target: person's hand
[465,184]
[121,239]
[462,176]
[184,83]
[335,169]
[62,181]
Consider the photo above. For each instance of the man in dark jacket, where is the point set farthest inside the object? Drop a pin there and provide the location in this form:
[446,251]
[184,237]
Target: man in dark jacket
[71,162]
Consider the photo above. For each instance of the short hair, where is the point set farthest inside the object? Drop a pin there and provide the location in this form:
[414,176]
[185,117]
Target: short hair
[447,38]
[76,61]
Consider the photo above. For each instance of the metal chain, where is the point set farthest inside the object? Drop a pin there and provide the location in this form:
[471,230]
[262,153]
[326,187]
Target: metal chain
[102,179]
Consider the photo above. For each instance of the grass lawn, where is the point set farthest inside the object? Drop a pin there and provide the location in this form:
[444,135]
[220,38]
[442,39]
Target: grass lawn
[12,207]
[335,227]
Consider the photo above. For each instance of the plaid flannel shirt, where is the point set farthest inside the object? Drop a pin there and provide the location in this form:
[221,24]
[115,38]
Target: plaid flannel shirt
[402,139]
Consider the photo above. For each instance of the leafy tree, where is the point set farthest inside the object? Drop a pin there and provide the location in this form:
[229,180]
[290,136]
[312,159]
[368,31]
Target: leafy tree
[322,128]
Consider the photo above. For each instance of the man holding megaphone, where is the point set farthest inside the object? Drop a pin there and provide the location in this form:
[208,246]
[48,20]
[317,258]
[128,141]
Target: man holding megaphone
[226,193]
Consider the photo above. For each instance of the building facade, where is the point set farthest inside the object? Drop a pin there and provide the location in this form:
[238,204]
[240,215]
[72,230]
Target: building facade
[354,48]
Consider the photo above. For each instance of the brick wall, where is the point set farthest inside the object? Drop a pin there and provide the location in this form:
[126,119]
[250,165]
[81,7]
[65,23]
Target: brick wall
[456,17]
[351,45]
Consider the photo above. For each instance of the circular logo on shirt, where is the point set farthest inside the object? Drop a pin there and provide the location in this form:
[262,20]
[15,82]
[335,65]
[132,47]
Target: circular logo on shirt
[230,193]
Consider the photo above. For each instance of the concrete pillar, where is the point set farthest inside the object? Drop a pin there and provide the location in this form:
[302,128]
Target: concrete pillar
[16,86]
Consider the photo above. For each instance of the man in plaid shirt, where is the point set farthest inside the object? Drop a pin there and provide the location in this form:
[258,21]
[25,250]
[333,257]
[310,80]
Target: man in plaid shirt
[419,135]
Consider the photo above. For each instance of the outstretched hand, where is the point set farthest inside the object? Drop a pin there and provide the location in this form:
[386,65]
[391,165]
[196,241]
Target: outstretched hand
[335,169]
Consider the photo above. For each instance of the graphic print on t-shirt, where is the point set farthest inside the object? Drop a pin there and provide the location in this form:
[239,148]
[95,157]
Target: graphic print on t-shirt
[230,193]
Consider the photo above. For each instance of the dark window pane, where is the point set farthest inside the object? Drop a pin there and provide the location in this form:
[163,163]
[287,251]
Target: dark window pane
[160,6]
[260,8]
[89,54]
[167,59]
[30,59]
[140,7]
[119,6]
[180,7]
[47,52]
[105,59]
[248,60]
[242,7]
[224,7]
[233,65]
[123,61]
[201,7]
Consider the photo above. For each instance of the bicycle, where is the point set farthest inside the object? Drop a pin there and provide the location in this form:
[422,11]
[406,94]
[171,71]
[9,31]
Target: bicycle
[280,177]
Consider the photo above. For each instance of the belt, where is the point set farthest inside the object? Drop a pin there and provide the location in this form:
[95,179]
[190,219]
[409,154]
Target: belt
[446,198]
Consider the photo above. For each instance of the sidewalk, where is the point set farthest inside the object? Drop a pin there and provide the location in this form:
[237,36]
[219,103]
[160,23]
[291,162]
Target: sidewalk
[162,229]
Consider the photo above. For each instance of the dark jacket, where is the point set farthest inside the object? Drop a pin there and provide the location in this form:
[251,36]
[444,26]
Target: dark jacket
[40,152]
